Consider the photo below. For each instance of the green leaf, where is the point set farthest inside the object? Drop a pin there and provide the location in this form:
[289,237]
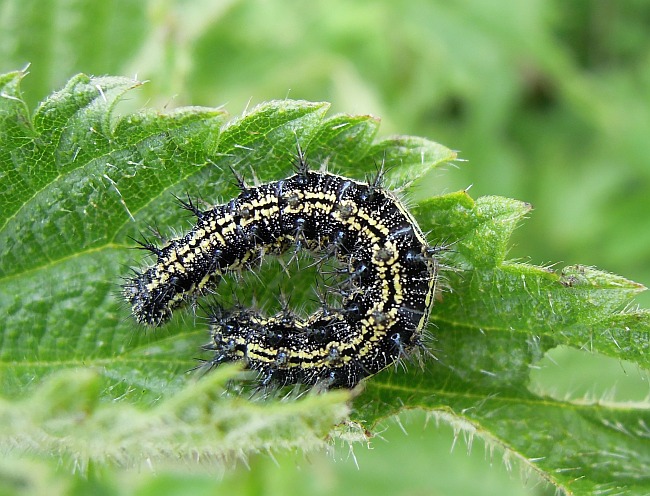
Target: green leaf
[83,383]
[66,415]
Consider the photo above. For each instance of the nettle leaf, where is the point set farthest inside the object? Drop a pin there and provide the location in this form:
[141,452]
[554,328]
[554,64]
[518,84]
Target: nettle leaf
[79,182]
[82,382]
[66,416]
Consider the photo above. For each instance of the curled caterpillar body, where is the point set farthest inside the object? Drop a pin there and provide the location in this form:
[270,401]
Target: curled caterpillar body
[390,278]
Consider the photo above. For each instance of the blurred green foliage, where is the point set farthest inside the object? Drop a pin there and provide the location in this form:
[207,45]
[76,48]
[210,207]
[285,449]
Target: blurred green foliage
[546,100]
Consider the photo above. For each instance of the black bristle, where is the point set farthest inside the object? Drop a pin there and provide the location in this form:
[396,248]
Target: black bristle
[147,245]
[190,206]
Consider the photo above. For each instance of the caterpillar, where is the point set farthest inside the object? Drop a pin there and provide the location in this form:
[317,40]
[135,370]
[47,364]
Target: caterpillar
[389,278]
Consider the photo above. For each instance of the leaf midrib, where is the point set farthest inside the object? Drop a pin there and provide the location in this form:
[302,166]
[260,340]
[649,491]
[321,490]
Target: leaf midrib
[543,401]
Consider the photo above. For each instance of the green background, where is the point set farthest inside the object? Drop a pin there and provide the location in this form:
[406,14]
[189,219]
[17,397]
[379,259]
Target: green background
[546,102]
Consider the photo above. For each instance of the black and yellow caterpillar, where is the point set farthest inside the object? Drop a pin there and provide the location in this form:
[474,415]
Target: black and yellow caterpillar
[389,287]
